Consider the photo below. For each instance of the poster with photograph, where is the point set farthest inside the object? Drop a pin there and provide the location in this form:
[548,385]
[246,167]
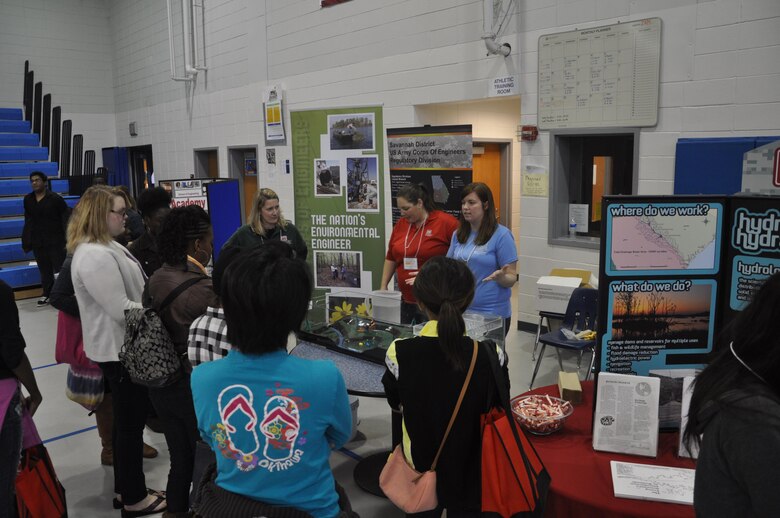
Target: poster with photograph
[250,167]
[327,177]
[341,222]
[351,131]
[362,184]
[341,305]
[333,269]
[657,323]
[438,157]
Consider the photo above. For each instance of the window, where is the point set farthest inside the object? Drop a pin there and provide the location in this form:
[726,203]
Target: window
[584,167]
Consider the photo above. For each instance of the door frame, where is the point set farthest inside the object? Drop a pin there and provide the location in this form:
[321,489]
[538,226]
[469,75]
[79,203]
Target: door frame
[505,199]
[198,168]
[235,170]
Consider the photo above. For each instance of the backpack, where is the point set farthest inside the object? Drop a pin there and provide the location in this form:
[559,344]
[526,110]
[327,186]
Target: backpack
[148,352]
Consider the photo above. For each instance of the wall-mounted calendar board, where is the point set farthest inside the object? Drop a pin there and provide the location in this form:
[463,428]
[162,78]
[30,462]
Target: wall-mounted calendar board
[600,77]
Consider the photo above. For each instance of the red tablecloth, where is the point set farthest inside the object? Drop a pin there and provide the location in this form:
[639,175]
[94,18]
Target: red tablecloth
[581,477]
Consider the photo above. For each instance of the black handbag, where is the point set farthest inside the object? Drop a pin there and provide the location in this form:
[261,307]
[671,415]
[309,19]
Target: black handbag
[148,352]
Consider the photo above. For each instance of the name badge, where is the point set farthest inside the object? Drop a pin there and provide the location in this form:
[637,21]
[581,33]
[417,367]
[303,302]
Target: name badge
[283,238]
[410,263]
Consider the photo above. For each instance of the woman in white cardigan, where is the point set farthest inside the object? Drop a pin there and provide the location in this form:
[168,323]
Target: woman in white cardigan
[108,280]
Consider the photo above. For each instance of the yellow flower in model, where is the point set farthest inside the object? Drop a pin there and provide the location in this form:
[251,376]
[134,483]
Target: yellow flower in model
[364,310]
[340,312]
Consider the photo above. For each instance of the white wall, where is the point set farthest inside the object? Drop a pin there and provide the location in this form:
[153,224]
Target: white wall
[720,76]
[68,44]
[395,53]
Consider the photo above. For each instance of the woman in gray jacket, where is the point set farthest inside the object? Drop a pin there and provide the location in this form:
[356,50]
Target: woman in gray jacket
[108,280]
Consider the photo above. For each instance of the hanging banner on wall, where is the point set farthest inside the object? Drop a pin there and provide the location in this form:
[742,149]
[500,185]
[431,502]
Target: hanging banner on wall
[440,157]
[338,162]
[660,273]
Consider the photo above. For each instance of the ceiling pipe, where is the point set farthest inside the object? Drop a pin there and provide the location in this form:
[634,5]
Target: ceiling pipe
[186,9]
[172,50]
[489,35]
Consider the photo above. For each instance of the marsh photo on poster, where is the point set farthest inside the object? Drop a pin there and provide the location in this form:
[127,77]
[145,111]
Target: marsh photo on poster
[362,184]
[334,269]
[327,177]
[351,131]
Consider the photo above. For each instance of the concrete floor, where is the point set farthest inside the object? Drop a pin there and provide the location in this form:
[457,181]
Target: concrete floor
[74,446]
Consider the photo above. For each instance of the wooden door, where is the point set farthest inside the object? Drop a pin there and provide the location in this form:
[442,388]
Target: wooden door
[487,169]
[250,189]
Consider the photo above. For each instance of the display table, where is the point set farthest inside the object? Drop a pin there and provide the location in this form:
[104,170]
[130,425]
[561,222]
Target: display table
[581,477]
[363,378]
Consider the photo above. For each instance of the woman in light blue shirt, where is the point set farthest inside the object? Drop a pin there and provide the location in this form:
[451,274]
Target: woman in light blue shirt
[488,249]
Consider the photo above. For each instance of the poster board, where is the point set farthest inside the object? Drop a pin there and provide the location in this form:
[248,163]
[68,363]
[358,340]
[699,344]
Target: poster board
[189,191]
[439,157]
[600,77]
[660,280]
[752,251]
[338,179]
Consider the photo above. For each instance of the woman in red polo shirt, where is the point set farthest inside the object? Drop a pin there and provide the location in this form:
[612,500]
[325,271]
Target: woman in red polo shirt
[422,232]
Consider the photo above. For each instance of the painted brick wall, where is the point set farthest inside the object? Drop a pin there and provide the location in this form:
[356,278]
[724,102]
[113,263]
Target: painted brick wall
[720,76]
[68,44]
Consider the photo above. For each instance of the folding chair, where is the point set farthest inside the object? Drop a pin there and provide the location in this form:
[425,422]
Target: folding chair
[581,314]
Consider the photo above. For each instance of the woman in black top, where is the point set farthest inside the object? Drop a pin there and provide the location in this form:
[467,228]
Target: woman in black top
[736,406]
[424,377]
[14,368]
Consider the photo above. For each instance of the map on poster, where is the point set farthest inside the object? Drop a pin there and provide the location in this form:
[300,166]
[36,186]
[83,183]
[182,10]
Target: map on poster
[663,238]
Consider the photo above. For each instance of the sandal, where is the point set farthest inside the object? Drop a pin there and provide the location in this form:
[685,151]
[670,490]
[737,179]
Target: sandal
[117,502]
[157,506]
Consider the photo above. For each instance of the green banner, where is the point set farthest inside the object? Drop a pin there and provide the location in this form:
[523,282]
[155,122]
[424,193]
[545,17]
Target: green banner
[338,175]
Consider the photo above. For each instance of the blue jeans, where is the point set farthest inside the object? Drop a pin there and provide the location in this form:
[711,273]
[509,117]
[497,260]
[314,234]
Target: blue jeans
[10,453]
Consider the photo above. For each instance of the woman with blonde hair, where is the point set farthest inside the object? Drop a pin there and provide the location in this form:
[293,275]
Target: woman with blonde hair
[266,223]
[107,281]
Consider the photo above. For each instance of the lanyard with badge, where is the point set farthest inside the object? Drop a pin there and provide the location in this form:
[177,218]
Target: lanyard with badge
[410,263]
[459,255]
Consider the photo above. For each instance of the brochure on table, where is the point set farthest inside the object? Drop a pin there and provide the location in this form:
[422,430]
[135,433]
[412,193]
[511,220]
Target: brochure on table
[626,418]
[659,483]
[682,449]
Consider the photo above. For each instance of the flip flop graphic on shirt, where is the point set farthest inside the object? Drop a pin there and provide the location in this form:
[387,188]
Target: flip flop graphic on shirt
[280,425]
[239,418]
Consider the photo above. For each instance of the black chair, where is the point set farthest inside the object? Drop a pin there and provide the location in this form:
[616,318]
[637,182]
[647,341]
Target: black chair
[581,314]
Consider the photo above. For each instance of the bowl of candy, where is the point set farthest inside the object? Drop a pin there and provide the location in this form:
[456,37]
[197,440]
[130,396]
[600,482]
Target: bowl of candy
[541,414]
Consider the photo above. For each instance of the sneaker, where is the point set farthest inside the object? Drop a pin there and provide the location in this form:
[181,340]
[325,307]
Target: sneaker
[43,301]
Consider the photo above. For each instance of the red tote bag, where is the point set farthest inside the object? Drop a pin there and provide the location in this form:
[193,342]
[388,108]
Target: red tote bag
[39,493]
[514,481]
